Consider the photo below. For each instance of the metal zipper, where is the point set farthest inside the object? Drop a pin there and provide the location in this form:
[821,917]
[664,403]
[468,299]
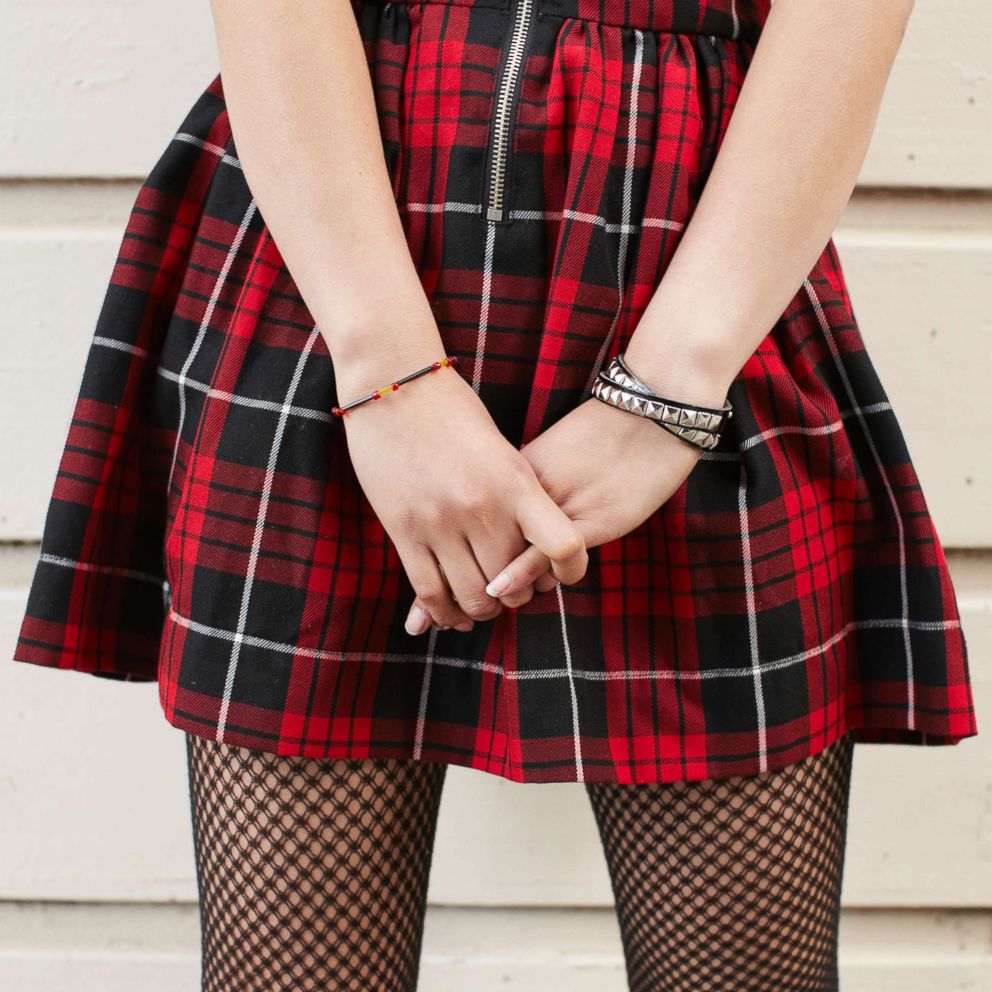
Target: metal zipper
[505,107]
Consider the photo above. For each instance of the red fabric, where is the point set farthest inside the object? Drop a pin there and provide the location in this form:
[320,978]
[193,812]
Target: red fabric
[207,530]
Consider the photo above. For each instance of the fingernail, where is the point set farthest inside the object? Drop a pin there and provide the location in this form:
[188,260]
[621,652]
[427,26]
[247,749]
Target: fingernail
[463,626]
[417,621]
[498,584]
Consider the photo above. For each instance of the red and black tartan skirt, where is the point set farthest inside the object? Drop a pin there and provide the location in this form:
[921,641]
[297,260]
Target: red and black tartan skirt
[207,530]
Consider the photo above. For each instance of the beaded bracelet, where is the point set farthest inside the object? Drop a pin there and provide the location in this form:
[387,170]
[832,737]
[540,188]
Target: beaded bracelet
[340,411]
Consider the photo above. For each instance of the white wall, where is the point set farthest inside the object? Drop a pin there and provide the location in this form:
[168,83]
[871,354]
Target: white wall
[88,828]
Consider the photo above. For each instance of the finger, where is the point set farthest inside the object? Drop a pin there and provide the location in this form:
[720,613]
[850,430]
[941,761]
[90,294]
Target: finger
[521,573]
[493,547]
[549,529]
[419,610]
[515,599]
[466,580]
[545,583]
[433,596]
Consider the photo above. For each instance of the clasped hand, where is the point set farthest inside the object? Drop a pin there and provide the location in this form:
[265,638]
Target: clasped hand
[466,510]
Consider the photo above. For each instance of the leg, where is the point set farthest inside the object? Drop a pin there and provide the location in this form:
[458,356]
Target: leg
[312,874]
[730,884]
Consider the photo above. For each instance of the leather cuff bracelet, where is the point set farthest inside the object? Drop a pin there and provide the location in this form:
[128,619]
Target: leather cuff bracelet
[699,426]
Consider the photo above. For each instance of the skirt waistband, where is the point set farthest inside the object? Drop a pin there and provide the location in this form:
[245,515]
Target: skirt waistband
[731,19]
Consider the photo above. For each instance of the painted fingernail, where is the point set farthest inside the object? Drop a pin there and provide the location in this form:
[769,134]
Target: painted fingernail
[499,584]
[463,626]
[417,621]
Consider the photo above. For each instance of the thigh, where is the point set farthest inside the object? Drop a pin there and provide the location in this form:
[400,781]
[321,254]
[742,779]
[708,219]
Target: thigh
[312,874]
[731,883]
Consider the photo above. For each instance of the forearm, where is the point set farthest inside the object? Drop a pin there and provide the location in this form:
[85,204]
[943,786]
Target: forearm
[303,115]
[786,168]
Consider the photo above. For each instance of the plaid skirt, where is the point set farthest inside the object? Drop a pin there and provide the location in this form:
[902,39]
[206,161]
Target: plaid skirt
[207,530]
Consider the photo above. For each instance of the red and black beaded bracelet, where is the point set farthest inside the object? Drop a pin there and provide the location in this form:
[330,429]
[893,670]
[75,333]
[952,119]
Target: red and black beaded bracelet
[340,411]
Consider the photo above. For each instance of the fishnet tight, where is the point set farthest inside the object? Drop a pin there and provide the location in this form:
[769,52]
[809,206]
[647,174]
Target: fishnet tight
[733,884]
[313,874]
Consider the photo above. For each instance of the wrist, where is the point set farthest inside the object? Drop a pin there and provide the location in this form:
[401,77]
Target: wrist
[685,373]
[370,353]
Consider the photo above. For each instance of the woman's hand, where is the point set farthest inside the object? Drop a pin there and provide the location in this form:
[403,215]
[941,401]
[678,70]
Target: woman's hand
[609,470]
[457,499]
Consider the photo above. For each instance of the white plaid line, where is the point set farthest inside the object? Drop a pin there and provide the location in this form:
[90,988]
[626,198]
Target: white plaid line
[576,733]
[418,739]
[628,190]
[192,139]
[667,225]
[131,349]
[256,543]
[202,330]
[733,14]
[755,439]
[304,412]
[86,566]
[358,657]
[597,220]
[582,216]
[842,372]
[448,206]
[454,206]
[487,285]
[752,620]
[832,428]
[321,654]
[669,675]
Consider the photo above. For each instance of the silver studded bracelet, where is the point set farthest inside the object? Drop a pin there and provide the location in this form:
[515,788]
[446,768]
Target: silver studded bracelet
[699,426]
